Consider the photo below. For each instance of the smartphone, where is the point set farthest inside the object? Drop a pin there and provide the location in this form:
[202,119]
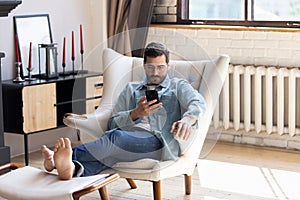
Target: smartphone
[151,95]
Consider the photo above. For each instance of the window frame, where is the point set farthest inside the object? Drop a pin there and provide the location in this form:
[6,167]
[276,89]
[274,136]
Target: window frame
[182,18]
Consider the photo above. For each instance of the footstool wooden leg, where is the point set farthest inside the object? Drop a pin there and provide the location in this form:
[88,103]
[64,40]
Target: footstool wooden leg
[103,193]
[99,185]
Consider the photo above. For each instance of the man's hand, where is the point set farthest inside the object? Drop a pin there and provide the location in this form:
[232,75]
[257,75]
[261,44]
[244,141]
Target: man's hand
[182,128]
[145,108]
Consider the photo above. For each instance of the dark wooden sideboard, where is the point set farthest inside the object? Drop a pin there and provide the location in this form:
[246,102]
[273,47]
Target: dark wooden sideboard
[5,7]
[4,150]
[34,106]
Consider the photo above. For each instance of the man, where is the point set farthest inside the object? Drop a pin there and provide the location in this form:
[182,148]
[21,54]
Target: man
[138,128]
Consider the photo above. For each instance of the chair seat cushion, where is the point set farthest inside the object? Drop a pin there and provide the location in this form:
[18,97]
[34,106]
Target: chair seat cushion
[146,163]
[160,170]
[35,184]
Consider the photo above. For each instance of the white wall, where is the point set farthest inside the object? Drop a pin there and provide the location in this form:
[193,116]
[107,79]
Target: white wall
[65,17]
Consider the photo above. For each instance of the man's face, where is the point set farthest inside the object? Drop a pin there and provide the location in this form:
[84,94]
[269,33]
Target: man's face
[156,69]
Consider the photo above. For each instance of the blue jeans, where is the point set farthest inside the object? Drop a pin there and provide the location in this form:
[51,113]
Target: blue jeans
[115,146]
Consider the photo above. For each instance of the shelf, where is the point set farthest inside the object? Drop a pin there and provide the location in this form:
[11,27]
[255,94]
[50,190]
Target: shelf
[4,150]
[7,5]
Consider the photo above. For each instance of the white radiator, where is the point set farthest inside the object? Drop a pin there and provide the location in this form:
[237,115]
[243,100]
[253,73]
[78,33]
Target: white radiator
[260,99]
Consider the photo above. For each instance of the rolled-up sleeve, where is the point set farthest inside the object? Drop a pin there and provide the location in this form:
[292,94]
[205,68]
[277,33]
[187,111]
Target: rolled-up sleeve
[191,101]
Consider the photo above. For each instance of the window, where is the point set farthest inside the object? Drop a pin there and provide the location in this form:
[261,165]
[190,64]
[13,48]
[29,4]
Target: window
[267,13]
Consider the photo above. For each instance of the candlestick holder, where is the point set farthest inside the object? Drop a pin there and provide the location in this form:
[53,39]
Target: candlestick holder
[30,78]
[73,72]
[82,71]
[18,78]
[64,73]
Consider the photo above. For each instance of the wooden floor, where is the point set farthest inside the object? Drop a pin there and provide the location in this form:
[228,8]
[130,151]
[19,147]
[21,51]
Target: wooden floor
[226,171]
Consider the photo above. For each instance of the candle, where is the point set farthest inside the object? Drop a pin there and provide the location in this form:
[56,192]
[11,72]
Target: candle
[64,52]
[73,52]
[17,49]
[81,40]
[30,56]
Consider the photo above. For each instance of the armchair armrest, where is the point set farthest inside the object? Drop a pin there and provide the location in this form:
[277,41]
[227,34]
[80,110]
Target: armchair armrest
[94,123]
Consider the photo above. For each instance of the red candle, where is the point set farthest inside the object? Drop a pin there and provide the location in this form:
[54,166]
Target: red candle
[30,56]
[81,40]
[17,49]
[64,52]
[73,52]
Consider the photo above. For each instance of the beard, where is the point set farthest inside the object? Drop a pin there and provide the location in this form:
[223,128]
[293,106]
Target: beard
[155,79]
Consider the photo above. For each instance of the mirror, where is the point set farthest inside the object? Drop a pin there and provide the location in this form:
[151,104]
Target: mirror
[35,29]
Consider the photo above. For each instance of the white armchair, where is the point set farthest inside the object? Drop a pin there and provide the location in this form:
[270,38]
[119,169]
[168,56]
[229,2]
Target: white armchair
[207,76]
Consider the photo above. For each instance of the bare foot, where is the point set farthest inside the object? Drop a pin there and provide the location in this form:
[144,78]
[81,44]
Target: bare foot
[48,158]
[63,159]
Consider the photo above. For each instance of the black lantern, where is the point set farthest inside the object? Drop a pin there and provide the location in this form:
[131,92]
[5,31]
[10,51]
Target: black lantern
[48,61]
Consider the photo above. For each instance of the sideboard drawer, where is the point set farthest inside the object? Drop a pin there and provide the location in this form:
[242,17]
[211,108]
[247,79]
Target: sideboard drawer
[94,89]
[92,105]
[94,86]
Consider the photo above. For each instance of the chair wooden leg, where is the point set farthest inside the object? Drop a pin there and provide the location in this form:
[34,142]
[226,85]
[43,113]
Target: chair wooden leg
[131,183]
[103,193]
[157,190]
[188,184]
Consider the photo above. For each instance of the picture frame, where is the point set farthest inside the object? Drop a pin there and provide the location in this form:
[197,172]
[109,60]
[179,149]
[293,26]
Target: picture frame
[35,29]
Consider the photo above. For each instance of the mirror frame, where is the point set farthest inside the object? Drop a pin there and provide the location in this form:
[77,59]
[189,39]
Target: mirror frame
[28,34]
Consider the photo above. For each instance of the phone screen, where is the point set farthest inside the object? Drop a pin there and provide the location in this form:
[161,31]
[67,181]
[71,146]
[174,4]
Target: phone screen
[151,95]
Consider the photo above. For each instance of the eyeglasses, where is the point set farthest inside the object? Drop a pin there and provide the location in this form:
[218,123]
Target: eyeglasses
[151,67]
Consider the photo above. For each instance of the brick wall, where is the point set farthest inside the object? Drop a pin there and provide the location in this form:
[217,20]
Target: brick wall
[164,11]
[244,47]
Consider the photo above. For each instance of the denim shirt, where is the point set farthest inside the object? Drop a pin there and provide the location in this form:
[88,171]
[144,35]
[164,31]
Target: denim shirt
[178,98]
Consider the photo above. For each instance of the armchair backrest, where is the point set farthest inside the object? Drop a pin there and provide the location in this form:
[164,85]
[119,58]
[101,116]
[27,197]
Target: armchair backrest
[206,76]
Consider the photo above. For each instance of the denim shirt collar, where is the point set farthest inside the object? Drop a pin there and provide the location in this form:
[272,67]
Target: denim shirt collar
[164,84]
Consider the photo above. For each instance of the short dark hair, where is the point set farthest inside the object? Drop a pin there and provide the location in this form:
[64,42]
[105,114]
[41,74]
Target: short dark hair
[155,49]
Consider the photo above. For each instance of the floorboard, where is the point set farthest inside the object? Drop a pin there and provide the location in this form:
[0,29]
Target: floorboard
[228,171]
